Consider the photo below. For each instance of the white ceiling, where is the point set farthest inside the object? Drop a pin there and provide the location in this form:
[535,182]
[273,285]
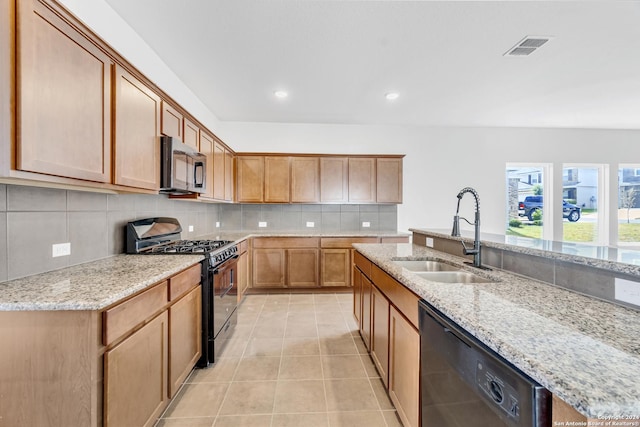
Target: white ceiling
[337,59]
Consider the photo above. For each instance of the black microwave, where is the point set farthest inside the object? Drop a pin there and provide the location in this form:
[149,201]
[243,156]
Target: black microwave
[183,168]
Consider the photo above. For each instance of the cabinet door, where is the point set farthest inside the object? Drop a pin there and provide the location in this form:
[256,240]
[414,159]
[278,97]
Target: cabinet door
[336,267]
[243,275]
[362,180]
[404,368]
[228,175]
[250,179]
[276,179]
[334,179]
[357,296]
[171,121]
[268,268]
[302,267]
[207,145]
[64,98]
[365,321]
[218,171]
[389,180]
[380,333]
[305,179]
[191,134]
[135,376]
[137,128]
[185,333]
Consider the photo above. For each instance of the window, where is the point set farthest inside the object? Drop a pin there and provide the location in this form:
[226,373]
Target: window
[629,205]
[525,189]
[581,204]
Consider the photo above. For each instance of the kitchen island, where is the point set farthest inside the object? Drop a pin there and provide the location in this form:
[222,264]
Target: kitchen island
[585,351]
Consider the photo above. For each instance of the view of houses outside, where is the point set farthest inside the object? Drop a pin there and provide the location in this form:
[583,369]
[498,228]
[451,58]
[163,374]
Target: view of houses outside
[580,188]
[629,204]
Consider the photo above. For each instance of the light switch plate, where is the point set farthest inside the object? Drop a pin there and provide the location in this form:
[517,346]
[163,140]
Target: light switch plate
[311,224]
[262,224]
[191,229]
[217,224]
[60,249]
[627,291]
[366,224]
[429,242]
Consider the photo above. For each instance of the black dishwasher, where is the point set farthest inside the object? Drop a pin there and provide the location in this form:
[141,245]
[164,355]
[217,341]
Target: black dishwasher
[466,384]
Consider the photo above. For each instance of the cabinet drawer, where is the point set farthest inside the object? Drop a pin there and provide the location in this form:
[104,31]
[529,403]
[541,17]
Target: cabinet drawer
[182,282]
[127,315]
[362,263]
[405,300]
[345,242]
[242,247]
[286,242]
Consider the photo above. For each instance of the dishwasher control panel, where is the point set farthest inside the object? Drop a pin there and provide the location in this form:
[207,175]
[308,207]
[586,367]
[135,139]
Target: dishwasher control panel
[497,391]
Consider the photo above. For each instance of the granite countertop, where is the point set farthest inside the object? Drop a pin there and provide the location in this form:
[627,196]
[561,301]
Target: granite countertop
[621,260]
[585,351]
[91,286]
[238,236]
[98,284]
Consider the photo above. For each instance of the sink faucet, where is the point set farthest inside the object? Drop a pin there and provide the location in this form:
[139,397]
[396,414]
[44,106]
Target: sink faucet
[476,250]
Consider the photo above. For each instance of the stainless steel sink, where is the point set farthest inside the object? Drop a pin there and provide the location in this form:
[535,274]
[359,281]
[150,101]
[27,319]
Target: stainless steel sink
[425,265]
[452,277]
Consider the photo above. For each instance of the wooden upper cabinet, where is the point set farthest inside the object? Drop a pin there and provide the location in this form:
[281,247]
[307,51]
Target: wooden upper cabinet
[389,180]
[63,98]
[228,175]
[334,176]
[191,134]
[305,179]
[137,130]
[250,179]
[171,121]
[207,145]
[276,179]
[362,180]
[218,171]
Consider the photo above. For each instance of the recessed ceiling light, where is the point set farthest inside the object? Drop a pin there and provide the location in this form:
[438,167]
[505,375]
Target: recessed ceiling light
[391,96]
[280,94]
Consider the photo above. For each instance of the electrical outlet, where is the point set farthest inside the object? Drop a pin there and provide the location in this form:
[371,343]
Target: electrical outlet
[429,242]
[217,224]
[627,291]
[262,224]
[311,224]
[191,229]
[366,224]
[60,249]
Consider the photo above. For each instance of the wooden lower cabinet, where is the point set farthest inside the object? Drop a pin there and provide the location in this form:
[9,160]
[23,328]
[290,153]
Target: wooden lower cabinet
[185,344]
[365,321]
[135,376]
[243,270]
[114,367]
[357,295]
[335,267]
[404,368]
[380,333]
[393,340]
[268,268]
[302,267]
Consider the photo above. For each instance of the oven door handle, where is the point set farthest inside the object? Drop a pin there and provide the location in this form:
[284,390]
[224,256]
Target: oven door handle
[226,291]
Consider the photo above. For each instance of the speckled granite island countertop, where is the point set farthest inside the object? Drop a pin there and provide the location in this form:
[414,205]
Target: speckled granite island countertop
[585,351]
[91,286]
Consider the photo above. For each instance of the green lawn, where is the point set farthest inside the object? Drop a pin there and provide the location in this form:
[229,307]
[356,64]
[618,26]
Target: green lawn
[578,231]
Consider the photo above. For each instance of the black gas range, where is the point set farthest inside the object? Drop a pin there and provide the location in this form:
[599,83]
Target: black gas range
[162,236]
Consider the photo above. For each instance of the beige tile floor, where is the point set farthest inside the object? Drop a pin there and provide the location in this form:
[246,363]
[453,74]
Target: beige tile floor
[294,361]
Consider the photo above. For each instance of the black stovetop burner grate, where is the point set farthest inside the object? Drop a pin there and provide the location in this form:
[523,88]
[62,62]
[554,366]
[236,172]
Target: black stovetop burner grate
[189,246]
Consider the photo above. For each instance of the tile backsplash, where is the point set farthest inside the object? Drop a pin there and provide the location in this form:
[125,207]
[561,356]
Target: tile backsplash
[32,219]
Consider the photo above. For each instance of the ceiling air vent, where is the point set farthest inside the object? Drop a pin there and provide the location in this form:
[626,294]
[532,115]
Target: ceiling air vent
[527,46]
